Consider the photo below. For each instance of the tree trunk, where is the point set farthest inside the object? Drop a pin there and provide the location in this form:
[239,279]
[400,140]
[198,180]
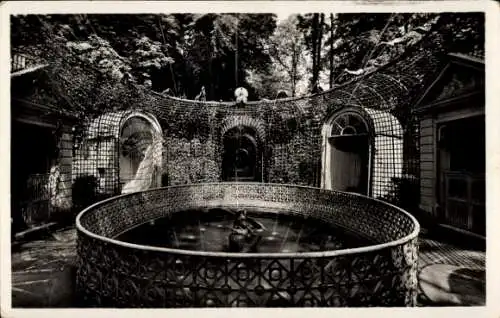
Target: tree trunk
[317,39]
[318,52]
[294,70]
[236,58]
[331,50]
[210,81]
[314,48]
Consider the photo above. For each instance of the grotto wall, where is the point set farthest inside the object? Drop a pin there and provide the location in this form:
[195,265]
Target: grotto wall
[291,128]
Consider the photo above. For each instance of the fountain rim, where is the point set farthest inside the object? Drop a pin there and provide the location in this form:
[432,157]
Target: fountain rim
[334,253]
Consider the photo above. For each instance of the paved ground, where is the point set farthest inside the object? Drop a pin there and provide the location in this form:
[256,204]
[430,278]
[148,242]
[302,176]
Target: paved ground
[450,275]
[42,271]
[44,277]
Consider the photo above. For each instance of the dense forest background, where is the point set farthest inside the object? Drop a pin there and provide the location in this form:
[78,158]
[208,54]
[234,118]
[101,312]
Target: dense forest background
[178,54]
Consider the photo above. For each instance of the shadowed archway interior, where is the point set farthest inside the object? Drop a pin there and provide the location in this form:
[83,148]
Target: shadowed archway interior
[242,155]
[349,156]
[362,151]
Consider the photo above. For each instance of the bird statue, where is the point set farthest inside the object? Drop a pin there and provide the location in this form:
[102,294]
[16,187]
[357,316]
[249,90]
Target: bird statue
[202,96]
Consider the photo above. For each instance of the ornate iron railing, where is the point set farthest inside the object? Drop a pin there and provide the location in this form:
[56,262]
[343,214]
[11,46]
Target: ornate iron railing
[36,201]
[113,273]
[45,196]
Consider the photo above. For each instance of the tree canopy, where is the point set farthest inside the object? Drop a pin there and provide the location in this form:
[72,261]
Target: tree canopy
[182,54]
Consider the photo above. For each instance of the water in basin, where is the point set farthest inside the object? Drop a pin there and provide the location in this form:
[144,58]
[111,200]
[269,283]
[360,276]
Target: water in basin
[211,230]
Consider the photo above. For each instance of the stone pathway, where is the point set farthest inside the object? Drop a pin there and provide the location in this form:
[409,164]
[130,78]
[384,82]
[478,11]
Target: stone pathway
[43,275]
[449,275]
[42,271]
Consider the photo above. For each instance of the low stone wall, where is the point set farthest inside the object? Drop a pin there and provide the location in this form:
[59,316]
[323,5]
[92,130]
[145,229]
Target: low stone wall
[112,273]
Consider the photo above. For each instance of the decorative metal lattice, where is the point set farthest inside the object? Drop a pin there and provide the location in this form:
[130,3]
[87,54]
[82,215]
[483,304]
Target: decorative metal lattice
[117,153]
[362,151]
[118,274]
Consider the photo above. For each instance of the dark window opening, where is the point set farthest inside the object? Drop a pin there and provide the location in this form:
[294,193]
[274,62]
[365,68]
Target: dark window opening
[464,140]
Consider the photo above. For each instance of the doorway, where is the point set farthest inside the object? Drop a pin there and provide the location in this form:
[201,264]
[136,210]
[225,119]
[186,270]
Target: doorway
[349,163]
[461,173]
[32,152]
[346,159]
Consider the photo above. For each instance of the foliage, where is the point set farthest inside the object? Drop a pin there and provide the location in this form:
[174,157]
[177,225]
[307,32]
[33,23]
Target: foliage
[184,52]
[190,161]
[268,84]
[180,52]
[220,48]
[313,26]
[362,42]
[462,32]
[403,192]
[98,52]
[287,49]
[282,128]
[84,191]
[188,123]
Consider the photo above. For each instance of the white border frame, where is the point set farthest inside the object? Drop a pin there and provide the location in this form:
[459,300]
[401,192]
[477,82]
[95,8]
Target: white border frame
[492,309]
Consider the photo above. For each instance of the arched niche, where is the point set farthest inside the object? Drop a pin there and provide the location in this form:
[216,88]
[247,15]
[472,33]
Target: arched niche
[122,151]
[362,151]
[140,153]
[242,155]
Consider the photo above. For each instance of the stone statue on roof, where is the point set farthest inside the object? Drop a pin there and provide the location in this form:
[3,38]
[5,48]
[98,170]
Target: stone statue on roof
[241,95]
[167,92]
[202,96]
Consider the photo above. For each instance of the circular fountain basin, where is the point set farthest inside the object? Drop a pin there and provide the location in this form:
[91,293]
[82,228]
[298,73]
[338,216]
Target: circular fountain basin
[168,247]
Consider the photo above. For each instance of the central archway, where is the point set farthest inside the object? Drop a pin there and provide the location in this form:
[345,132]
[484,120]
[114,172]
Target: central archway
[242,155]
